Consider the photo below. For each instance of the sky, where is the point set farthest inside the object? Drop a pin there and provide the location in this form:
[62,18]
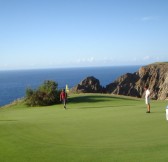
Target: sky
[82,33]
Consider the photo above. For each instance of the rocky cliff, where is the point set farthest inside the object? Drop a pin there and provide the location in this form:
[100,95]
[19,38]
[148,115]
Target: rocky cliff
[155,75]
[88,85]
[132,84]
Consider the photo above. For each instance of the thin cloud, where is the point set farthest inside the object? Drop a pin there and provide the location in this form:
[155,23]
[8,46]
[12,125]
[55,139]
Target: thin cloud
[150,18]
[85,60]
[91,59]
[146,58]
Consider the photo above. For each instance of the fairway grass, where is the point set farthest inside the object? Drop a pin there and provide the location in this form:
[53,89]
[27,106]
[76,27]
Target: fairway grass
[94,128]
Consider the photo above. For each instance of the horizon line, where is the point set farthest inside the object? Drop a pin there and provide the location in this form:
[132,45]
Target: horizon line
[70,67]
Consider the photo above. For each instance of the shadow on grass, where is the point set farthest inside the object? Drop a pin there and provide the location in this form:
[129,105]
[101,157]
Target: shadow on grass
[96,99]
[8,120]
[104,107]
[157,112]
[97,107]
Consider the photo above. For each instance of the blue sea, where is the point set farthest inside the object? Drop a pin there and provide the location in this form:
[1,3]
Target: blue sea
[13,84]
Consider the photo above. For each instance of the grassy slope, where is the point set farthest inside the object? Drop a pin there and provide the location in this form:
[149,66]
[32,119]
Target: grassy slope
[94,128]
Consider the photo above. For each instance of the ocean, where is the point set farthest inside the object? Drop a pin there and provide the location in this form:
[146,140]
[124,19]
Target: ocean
[13,84]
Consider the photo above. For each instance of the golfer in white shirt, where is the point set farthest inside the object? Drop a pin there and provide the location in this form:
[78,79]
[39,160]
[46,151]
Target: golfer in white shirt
[147,98]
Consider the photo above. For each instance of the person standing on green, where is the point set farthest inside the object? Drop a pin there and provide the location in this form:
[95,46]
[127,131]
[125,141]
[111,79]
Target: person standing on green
[147,98]
[63,97]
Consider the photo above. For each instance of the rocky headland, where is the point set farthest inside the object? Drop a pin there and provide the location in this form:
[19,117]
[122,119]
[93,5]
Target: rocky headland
[132,84]
[88,85]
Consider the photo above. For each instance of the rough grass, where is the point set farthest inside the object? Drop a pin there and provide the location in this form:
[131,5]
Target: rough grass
[94,128]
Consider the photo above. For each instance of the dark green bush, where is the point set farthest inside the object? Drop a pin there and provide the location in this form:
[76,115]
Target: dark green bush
[47,94]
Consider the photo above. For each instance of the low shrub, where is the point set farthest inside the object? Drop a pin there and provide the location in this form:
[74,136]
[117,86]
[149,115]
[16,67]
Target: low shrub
[47,94]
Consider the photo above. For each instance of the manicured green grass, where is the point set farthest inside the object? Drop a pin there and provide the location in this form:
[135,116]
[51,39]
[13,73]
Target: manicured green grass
[94,128]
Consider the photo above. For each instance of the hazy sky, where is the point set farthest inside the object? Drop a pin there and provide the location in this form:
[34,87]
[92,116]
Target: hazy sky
[75,33]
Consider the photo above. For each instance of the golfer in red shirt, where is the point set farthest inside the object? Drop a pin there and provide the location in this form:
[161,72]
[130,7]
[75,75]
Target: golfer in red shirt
[63,97]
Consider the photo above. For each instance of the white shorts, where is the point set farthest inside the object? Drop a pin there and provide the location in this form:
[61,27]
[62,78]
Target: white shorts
[147,101]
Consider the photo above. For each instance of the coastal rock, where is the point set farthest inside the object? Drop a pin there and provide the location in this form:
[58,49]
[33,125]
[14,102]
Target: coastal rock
[132,84]
[155,75]
[88,85]
[124,85]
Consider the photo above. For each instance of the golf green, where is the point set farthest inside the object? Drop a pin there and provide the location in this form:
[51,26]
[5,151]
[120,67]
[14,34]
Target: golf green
[93,128]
